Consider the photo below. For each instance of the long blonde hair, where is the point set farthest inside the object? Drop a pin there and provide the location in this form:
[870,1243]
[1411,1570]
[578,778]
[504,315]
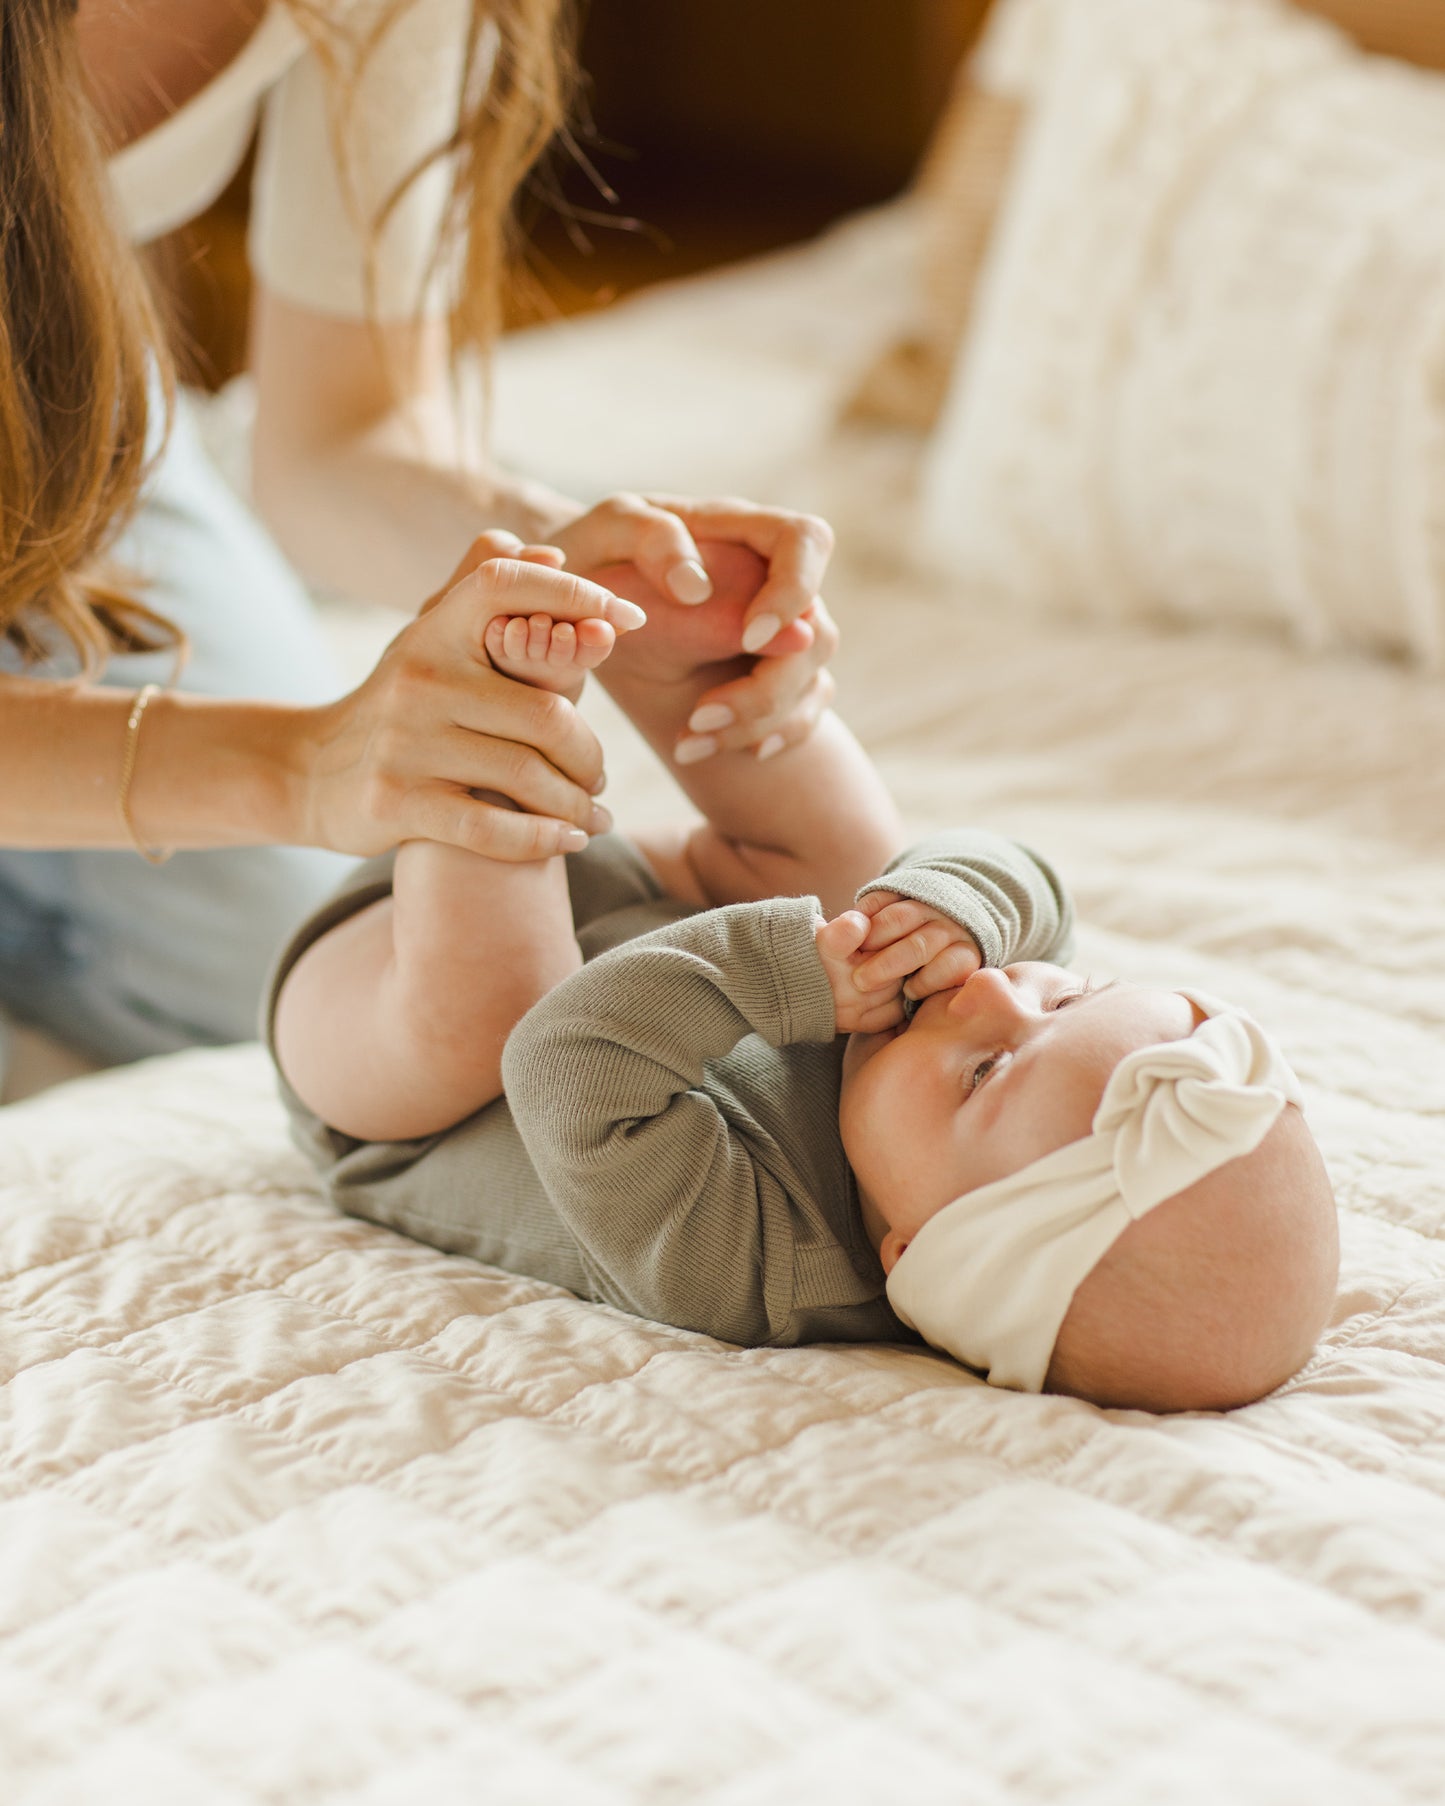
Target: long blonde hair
[83,348]
[518,84]
[79,338]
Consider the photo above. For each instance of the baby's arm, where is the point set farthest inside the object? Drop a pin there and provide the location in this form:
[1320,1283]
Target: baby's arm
[816,820]
[671,1195]
[962,900]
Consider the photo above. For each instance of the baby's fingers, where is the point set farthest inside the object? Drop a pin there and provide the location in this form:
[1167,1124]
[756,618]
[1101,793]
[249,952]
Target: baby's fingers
[894,919]
[839,939]
[954,966]
[902,957]
[872,1018]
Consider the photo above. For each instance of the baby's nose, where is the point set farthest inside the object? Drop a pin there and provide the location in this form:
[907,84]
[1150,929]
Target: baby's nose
[987,992]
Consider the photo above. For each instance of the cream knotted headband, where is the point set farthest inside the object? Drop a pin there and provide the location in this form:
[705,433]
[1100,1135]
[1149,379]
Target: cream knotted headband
[990,1278]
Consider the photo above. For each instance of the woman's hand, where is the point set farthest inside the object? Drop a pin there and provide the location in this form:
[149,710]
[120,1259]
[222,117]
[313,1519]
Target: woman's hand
[734,701]
[400,757]
[661,535]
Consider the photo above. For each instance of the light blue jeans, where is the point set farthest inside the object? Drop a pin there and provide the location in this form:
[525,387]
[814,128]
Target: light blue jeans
[120,958]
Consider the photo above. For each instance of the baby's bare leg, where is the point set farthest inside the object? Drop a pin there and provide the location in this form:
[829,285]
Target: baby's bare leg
[392,1026]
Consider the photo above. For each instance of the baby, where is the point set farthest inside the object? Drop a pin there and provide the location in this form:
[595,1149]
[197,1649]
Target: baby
[623,1071]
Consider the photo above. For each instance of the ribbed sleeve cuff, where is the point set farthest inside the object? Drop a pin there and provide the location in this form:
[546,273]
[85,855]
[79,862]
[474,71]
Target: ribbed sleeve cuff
[940,891]
[805,997]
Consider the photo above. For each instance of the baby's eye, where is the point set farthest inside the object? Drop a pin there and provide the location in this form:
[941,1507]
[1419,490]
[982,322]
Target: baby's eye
[981,1072]
[1068,997]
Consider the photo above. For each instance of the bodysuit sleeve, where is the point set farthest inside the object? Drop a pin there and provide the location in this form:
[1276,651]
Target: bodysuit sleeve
[1009,899]
[678,1194]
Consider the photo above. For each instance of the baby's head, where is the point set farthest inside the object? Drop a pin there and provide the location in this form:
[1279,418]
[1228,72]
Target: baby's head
[1149,1229]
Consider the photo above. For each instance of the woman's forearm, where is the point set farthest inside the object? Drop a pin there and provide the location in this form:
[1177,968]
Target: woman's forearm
[209,772]
[362,461]
[422,507]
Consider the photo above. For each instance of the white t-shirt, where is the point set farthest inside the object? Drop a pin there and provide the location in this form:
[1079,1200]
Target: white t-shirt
[307,234]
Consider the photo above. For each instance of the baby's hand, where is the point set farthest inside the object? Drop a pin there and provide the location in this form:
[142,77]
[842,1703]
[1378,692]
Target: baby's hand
[910,945]
[838,943]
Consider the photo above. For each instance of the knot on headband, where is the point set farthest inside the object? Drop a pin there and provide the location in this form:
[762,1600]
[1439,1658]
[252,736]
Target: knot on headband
[989,1278]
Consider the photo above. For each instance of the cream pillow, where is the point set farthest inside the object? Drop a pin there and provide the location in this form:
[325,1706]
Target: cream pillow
[1205,375]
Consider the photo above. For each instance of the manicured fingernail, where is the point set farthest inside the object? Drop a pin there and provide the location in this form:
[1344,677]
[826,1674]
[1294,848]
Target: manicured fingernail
[571,840]
[709,719]
[694,748]
[627,615]
[770,747]
[600,785]
[689,582]
[600,819]
[758,632]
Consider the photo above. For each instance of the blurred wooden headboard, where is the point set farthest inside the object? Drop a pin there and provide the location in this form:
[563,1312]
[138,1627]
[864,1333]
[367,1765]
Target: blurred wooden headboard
[1411,29]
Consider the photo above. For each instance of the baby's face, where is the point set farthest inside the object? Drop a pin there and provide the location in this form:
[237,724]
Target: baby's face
[985,1079]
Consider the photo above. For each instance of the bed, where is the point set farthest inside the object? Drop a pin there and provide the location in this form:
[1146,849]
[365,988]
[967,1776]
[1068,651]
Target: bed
[298,1511]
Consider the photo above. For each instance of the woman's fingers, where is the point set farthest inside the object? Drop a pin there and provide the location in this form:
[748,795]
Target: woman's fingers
[534,733]
[495,543]
[461,820]
[763,735]
[774,705]
[519,586]
[797,548]
[633,529]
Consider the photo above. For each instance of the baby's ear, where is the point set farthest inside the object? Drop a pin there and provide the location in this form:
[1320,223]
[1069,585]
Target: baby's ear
[891,1250]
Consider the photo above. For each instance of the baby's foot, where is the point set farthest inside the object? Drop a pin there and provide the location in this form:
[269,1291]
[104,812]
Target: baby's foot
[548,654]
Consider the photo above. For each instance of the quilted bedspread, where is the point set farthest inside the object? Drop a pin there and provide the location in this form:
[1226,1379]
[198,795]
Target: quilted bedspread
[295,1510]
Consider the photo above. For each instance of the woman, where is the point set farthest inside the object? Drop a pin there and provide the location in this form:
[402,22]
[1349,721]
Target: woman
[394,135]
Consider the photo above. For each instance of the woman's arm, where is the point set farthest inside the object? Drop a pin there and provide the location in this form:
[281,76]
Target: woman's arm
[399,756]
[358,424]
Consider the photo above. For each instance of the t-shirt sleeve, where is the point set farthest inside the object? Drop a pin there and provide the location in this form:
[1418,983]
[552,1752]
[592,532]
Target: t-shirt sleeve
[659,1174]
[311,209]
[1009,899]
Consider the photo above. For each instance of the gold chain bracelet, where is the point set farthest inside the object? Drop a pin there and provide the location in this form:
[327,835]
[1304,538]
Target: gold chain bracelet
[144,698]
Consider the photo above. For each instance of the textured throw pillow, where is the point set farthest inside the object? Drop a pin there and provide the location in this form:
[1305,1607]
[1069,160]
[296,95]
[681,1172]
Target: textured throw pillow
[1206,372]
[961,186]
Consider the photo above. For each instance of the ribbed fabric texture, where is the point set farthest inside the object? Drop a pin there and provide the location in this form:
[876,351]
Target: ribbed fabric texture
[669,1139]
[1204,376]
[1015,908]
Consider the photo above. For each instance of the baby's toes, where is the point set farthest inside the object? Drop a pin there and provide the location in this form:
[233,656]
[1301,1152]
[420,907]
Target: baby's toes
[539,638]
[514,639]
[563,645]
[595,639]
